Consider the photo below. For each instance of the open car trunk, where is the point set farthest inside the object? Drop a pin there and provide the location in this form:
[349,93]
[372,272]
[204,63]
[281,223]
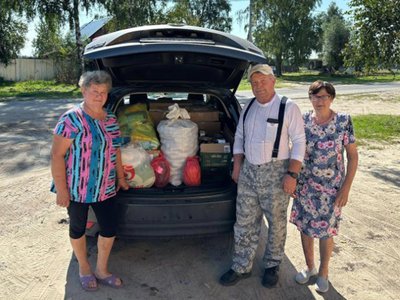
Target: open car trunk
[184,210]
[200,69]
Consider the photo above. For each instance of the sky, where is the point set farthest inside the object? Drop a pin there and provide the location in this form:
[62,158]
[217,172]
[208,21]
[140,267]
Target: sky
[237,29]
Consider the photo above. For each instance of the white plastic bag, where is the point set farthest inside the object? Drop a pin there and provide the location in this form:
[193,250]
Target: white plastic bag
[137,169]
[179,140]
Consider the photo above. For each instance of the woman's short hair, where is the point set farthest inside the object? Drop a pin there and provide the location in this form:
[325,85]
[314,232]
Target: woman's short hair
[95,77]
[316,86]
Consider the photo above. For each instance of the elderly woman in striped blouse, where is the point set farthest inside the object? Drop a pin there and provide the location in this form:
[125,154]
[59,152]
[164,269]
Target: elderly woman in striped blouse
[87,172]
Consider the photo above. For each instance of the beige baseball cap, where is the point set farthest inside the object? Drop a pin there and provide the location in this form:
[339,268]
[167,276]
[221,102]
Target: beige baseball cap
[262,68]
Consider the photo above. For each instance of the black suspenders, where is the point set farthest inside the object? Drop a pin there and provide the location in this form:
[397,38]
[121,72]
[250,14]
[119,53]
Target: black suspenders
[281,116]
[280,124]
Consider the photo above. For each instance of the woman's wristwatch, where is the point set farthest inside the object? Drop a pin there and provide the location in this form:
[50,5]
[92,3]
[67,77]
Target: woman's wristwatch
[293,174]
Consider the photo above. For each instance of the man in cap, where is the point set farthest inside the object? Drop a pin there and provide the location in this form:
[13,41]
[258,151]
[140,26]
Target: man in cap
[266,165]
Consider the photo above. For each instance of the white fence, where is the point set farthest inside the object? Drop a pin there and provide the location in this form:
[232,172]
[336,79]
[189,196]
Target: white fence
[22,69]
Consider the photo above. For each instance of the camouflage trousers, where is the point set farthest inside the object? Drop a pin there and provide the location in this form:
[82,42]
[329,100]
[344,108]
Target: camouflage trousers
[260,193]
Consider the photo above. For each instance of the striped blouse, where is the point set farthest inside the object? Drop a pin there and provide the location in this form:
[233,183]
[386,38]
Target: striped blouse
[91,159]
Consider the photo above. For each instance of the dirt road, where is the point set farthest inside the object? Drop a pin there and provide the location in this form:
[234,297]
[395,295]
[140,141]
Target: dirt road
[36,260]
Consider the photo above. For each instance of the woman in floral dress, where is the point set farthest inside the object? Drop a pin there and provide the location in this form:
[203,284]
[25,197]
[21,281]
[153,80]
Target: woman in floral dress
[324,182]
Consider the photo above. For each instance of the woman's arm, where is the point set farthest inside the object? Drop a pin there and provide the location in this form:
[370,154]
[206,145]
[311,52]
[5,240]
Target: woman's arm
[58,169]
[352,163]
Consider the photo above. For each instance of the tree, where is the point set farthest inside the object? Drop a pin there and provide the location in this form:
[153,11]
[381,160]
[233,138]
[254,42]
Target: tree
[50,43]
[248,14]
[285,29]
[56,13]
[335,36]
[12,35]
[375,39]
[213,14]
[132,13]
[47,43]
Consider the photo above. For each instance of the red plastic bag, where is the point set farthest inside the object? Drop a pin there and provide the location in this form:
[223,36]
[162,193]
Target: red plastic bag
[192,171]
[162,170]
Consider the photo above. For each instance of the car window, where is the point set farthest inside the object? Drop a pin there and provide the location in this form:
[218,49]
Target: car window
[171,96]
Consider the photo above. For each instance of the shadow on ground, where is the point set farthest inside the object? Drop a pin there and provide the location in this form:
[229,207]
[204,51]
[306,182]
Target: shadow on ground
[26,132]
[185,269]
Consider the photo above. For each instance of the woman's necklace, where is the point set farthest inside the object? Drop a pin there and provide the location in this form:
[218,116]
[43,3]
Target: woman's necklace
[99,115]
[319,120]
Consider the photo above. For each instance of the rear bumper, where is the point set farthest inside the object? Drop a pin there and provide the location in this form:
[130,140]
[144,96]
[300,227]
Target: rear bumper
[164,215]
[175,220]
[155,214]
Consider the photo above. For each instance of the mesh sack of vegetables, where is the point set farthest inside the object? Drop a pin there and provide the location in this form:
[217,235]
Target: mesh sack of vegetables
[179,140]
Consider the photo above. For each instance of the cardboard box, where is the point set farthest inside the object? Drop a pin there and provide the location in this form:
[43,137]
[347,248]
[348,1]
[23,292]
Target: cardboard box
[203,114]
[215,157]
[157,115]
[210,128]
[164,104]
[215,148]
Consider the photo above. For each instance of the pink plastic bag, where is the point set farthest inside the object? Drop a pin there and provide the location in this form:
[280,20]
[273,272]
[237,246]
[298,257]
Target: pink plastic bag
[162,170]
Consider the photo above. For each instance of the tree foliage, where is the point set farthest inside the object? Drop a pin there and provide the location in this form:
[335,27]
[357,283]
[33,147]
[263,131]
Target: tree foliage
[12,35]
[213,14]
[336,32]
[47,43]
[285,29]
[132,13]
[54,13]
[51,43]
[375,39]
[205,13]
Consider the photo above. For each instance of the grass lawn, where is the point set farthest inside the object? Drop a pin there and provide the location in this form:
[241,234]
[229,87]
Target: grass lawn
[39,89]
[311,76]
[307,77]
[376,128]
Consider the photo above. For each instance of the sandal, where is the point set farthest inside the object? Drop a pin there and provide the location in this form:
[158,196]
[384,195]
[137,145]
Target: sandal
[110,281]
[322,285]
[87,281]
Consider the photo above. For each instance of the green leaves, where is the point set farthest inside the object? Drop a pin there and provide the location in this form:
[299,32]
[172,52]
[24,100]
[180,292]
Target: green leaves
[12,35]
[285,30]
[375,40]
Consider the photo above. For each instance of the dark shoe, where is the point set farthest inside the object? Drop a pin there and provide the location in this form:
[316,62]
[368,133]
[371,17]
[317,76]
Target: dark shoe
[231,277]
[271,277]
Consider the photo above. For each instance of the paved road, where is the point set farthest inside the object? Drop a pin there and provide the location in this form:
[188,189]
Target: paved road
[300,91]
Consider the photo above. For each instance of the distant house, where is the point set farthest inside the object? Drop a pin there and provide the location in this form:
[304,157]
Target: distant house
[94,28]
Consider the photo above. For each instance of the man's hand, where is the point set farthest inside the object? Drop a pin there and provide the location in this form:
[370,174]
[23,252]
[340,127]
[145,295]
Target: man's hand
[289,185]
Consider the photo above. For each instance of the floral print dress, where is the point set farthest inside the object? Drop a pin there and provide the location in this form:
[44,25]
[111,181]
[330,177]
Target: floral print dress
[321,176]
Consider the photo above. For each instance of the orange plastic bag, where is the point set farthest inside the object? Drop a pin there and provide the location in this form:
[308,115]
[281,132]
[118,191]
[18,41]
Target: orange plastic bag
[192,171]
[162,170]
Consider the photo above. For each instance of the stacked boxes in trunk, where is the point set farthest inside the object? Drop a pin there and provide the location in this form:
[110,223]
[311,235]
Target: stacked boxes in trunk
[206,118]
[215,157]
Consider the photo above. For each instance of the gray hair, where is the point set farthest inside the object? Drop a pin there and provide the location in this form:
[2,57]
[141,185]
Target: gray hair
[95,77]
